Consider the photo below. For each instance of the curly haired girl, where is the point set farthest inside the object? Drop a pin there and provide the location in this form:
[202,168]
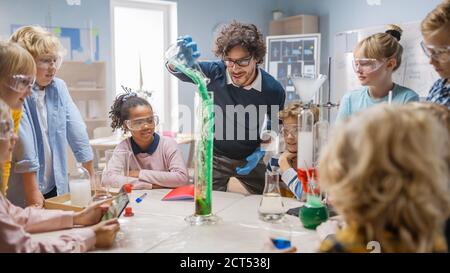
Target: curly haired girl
[156,160]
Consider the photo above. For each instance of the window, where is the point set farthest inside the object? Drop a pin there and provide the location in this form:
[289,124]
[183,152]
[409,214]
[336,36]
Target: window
[141,32]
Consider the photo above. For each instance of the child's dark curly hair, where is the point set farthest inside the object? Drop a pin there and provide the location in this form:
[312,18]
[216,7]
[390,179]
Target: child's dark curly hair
[246,35]
[120,109]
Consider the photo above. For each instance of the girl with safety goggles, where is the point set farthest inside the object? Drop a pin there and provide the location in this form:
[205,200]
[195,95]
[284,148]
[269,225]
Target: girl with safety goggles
[375,60]
[155,160]
[17,76]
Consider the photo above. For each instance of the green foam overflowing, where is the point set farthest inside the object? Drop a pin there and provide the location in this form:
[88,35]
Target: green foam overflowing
[203,183]
[314,201]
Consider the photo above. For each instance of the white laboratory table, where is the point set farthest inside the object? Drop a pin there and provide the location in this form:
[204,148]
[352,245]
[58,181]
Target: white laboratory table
[159,226]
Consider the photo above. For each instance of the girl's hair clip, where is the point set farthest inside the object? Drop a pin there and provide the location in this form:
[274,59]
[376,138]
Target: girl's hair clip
[129,93]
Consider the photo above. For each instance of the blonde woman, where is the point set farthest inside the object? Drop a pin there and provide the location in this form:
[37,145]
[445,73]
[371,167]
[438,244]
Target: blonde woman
[50,122]
[387,176]
[375,59]
[17,75]
[436,45]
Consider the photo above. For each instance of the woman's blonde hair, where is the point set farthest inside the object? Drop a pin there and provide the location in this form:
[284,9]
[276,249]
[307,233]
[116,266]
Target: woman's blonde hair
[383,45]
[386,172]
[294,109]
[14,60]
[437,19]
[37,41]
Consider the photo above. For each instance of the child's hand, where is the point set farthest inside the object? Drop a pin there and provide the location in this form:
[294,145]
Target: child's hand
[105,233]
[284,159]
[92,214]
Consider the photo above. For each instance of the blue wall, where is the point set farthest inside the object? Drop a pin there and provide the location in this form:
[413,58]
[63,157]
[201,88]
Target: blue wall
[198,17]
[24,12]
[341,15]
[57,13]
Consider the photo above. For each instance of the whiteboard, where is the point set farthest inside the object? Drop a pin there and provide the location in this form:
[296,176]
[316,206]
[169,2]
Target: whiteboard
[415,72]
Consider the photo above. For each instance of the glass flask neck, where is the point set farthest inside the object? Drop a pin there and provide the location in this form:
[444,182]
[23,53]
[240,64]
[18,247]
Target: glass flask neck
[272,183]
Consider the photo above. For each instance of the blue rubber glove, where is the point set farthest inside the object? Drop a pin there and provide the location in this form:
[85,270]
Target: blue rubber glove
[188,50]
[252,162]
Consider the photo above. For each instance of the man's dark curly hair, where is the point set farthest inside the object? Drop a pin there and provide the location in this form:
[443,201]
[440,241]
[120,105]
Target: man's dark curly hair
[246,35]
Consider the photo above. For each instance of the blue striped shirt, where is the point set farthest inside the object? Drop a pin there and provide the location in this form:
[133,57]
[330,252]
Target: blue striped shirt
[290,178]
[439,93]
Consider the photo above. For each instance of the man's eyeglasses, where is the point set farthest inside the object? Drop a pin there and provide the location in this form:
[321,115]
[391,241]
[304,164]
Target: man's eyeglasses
[440,54]
[241,62]
[140,123]
[47,61]
[21,83]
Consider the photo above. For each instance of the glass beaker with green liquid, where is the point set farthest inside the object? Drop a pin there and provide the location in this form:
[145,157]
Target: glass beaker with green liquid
[203,161]
[182,57]
[314,212]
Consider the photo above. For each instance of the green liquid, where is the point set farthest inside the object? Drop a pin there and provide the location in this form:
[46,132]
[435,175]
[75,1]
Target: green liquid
[203,183]
[314,201]
[313,213]
[202,207]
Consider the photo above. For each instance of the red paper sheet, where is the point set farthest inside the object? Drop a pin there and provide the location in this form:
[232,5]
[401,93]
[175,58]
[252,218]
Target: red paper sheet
[180,193]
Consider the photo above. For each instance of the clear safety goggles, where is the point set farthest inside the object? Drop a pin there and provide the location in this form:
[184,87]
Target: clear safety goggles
[440,54]
[6,130]
[289,130]
[366,65]
[48,61]
[141,123]
[21,83]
